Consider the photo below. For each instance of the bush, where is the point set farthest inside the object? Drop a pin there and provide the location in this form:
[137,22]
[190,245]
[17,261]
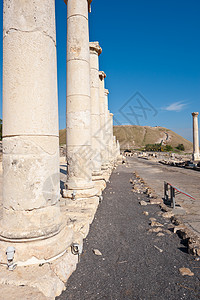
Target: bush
[154,147]
[168,148]
[180,147]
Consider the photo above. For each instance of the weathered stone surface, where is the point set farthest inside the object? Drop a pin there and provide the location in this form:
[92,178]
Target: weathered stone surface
[21,292]
[65,266]
[41,278]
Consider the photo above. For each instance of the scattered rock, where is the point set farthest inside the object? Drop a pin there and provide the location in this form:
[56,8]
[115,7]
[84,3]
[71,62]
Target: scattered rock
[156,224]
[160,250]
[167,231]
[179,227]
[145,213]
[168,215]
[160,234]
[152,219]
[97,252]
[143,203]
[155,201]
[157,229]
[186,271]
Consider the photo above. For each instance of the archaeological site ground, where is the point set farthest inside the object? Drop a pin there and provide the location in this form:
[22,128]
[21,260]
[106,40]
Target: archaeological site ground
[100,209]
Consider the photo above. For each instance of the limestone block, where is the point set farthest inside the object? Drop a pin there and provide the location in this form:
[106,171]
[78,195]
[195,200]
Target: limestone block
[42,278]
[65,266]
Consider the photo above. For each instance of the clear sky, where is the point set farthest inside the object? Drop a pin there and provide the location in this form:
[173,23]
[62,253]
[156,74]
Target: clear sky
[151,55]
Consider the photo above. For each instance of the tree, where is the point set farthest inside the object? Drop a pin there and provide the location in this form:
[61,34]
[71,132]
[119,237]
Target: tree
[0,129]
[180,147]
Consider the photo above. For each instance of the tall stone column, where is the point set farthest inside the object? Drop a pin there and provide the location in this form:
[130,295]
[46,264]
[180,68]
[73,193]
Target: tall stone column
[97,174]
[31,177]
[79,175]
[103,114]
[115,147]
[107,127]
[95,51]
[195,137]
[111,137]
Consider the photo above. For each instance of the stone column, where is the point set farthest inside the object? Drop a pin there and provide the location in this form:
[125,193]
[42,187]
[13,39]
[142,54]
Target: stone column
[111,138]
[103,112]
[115,148]
[31,177]
[97,174]
[95,51]
[107,127]
[79,175]
[195,137]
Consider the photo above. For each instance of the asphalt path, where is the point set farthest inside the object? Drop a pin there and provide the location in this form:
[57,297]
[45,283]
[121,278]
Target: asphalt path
[131,267]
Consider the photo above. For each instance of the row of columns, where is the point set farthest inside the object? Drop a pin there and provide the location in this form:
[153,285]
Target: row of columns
[32,219]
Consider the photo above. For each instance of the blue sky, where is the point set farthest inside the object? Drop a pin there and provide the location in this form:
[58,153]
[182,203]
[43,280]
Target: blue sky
[151,58]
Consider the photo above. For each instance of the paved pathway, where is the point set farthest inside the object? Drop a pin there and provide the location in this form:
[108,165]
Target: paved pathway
[131,267]
[187,180]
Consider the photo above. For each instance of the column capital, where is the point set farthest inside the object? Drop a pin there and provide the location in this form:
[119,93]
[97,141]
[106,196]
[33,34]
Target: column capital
[195,114]
[102,75]
[95,48]
[106,92]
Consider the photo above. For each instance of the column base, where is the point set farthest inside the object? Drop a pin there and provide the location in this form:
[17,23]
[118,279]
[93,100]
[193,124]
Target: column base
[79,194]
[119,159]
[196,157]
[99,183]
[34,251]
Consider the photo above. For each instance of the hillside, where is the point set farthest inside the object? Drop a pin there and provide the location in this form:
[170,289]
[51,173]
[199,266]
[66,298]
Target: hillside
[133,137]
[62,136]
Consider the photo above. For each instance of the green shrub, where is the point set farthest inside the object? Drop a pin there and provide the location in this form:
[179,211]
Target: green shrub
[180,147]
[168,148]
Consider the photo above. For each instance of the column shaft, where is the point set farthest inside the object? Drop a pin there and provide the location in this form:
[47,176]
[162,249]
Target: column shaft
[195,136]
[78,97]
[104,154]
[95,51]
[31,182]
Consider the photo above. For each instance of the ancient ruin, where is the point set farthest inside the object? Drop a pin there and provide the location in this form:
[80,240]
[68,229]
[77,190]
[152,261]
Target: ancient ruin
[35,229]
[195,137]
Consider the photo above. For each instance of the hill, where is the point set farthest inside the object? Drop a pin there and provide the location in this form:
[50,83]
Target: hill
[62,136]
[133,137]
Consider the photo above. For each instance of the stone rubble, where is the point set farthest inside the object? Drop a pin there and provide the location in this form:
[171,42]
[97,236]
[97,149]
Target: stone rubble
[193,241]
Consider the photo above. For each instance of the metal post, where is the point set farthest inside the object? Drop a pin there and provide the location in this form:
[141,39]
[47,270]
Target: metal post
[172,196]
[166,191]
